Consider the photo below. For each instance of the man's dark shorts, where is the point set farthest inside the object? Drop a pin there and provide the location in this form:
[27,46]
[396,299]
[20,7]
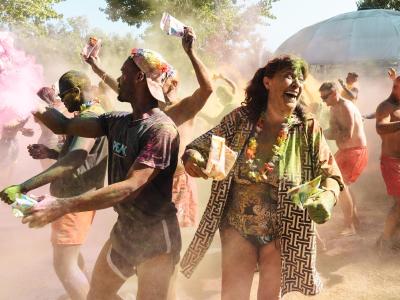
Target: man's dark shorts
[134,243]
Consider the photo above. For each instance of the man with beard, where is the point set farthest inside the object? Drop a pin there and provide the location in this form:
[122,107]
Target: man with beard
[346,128]
[388,128]
[143,154]
[182,112]
[80,167]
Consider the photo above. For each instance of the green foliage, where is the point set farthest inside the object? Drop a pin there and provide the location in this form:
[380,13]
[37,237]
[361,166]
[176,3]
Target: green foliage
[58,50]
[378,4]
[29,13]
[226,30]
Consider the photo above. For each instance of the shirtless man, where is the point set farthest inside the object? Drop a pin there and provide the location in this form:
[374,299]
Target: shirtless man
[182,112]
[392,76]
[350,89]
[346,128]
[388,127]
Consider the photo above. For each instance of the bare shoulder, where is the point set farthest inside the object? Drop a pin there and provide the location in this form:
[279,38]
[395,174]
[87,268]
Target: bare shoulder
[385,107]
[349,105]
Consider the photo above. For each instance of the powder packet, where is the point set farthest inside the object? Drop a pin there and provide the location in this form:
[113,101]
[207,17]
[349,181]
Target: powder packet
[92,48]
[220,159]
[172,26]
[303,192]
[22,205]
[305,196]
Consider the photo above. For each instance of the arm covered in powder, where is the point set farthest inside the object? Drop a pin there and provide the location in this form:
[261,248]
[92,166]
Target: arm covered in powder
[90,127]
[76,156]
[49,210]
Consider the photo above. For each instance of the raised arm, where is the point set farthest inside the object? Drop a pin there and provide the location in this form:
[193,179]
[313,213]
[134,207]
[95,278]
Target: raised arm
[60,124]
[229,82]
[188,107]
[109,80]
[353,93]
[383,124]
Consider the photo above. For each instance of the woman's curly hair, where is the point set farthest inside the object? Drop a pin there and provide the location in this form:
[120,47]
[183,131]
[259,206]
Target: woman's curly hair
[256,99]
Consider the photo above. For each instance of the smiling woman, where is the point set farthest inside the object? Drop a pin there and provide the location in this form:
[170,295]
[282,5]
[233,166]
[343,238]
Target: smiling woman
[279,147]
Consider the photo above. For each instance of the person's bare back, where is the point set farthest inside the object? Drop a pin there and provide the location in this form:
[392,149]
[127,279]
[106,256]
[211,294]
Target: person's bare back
[347,120]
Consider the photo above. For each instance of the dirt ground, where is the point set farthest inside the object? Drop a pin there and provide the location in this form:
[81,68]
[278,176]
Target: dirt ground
[350,268]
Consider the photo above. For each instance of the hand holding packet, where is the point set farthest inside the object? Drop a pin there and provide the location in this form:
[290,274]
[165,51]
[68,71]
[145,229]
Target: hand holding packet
[319,202]
[172,26]
[92,48]
[22,205]
[220,159]
[301,193]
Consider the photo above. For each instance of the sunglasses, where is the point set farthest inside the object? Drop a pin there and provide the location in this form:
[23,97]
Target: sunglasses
[326,96]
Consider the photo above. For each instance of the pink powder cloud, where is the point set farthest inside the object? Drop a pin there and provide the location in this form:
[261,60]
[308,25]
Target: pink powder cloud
[20,79]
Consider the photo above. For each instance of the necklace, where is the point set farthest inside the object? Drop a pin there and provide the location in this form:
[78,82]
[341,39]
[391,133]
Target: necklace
[86,105]
[258,170]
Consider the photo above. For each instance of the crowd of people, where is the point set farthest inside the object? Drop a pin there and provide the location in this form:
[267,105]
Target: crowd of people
[152,158]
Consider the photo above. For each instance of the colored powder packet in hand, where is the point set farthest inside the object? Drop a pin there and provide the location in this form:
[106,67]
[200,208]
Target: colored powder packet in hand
[92,48]
[22,205]
[220,159]
[172,26]
[301,193]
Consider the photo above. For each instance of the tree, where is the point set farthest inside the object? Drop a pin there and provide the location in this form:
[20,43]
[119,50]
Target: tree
[30,13]
[226,30]
[58,50]
[378,4]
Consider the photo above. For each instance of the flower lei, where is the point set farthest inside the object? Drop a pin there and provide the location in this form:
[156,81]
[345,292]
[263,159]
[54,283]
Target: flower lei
[88,104]
[259,171]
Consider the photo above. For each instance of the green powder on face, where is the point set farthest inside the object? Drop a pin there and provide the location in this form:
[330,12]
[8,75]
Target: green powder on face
[300,68]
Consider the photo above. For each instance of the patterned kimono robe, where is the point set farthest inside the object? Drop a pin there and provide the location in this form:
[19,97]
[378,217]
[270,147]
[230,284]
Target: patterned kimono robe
[307,155]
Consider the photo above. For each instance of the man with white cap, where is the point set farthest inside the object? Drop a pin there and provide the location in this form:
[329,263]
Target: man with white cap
[183,113]
[143,154]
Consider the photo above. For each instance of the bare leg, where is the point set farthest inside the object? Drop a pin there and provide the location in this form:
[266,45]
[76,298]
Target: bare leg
[270,272]
[392,220]
[346,204]
[239,260]
[173,285]
[154,276]
[65,261]
[82,266]
[105,283]
[356,219]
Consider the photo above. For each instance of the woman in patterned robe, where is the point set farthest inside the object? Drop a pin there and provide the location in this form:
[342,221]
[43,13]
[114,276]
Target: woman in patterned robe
[258,222]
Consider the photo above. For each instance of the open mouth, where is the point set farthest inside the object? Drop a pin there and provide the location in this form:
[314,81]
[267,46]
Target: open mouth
[291,96]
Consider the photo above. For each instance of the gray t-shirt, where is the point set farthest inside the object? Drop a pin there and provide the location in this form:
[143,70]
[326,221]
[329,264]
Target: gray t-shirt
[154,142]
[90,175]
